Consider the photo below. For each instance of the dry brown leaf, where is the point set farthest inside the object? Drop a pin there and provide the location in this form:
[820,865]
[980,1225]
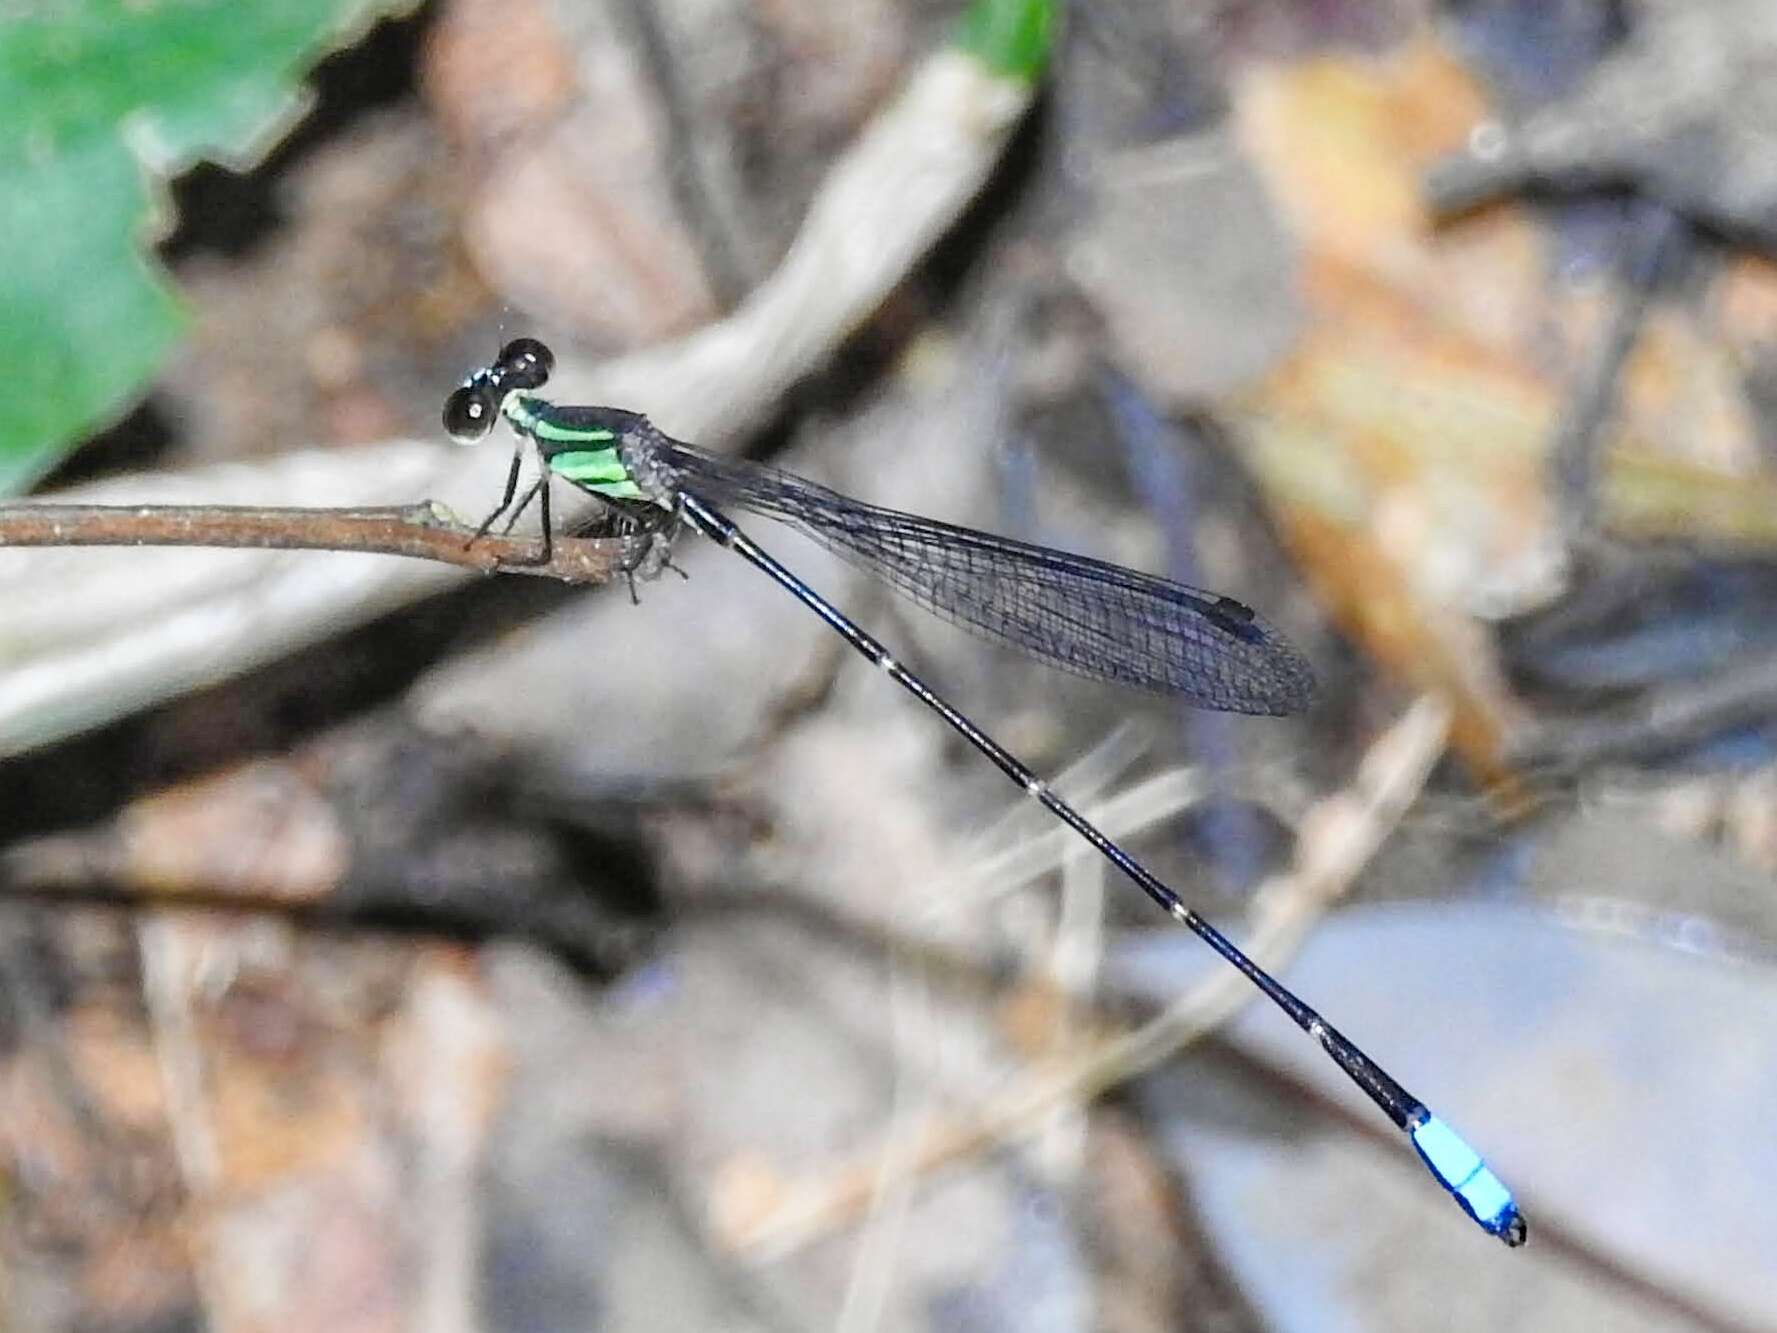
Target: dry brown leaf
[1403,443]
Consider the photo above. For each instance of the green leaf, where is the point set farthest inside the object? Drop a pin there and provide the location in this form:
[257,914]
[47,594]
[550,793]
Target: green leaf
[102,100]
[1010,37]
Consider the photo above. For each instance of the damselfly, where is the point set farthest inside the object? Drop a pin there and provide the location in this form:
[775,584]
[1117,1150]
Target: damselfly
[1084,616]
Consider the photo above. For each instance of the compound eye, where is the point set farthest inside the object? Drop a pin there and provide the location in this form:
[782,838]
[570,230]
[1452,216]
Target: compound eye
[469,413]
[525,363]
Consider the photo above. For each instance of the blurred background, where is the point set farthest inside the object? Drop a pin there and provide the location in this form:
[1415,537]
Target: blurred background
[386,947]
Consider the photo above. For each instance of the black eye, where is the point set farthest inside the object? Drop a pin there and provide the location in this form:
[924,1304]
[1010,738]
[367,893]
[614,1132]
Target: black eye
[525,363]
[469,413]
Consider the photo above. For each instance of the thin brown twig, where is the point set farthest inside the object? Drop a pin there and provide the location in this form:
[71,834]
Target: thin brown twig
[424,531]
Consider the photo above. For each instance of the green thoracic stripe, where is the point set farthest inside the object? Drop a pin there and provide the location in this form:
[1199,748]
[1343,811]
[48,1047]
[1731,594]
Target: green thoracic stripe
[545,429]
[531,416]
[588,466]
[616,490]
[598,470]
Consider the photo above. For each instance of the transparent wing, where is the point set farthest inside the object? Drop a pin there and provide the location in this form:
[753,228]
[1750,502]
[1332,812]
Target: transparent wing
[1084,616]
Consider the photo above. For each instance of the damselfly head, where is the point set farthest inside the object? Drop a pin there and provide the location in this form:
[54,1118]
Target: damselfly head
[522,365]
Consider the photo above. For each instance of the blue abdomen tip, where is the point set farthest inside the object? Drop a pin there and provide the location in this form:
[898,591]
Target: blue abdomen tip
[1459,1168]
